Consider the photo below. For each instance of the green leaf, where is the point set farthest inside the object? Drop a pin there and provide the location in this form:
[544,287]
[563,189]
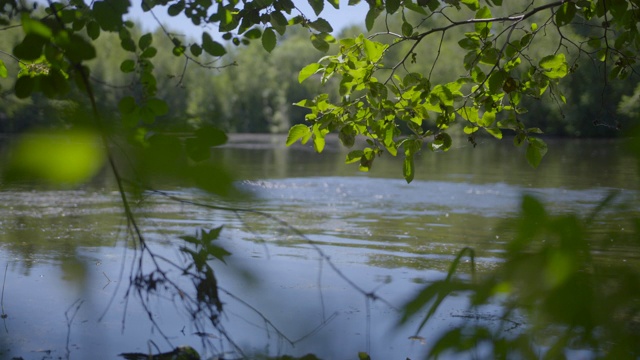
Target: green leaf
[218,252]
[321,25]
[317,6]
[24,87]
[3,70]
[554,66]
[442,141]
[60,157]
[307,71]
[490,56]
[495,132]
[269,39]
[496,80]
[366,161]
[408,168]
[407,29]
[392,6]
[470,129]
[128,45]
[318,137]
[145,41]
[469,44]
[371,17]
[127,105]
[416,8]
[318,41]
[149,52]
[79,49]
[354,156]
[30,48]
[565,14]
[176,8]
[199,148]
[278,19]
[93,30]
[109,13]
[157,106]
[253,34]
[53,84]
[212,47]
[296,133]
[128,66]
[373,50]
[488,118]
[536,150]
[334,3]
[483,13]
[195,49]
[35,27]
[471,4]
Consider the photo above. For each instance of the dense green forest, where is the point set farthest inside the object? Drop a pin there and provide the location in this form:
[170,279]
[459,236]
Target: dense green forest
[252,91]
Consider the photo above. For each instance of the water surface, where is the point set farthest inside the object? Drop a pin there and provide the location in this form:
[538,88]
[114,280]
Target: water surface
[68,256]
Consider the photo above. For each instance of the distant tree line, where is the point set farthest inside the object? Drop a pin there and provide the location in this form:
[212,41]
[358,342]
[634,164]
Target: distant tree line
[252,91]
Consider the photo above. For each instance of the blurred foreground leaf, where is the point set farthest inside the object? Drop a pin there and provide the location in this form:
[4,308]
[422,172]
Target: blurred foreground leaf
[60,158]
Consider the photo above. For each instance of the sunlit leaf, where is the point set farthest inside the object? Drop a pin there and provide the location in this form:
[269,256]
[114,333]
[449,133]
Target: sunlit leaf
[554,66]
[64,158]
[296,133]
[495,132]
[307,71]
[354,156]
[373,50]
[483,13]
[3,70]
[35,27]
[471,4]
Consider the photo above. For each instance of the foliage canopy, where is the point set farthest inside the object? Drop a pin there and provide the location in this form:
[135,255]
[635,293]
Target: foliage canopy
[508,54]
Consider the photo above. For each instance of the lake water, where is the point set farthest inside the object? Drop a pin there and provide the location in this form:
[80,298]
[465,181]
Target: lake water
[67,255]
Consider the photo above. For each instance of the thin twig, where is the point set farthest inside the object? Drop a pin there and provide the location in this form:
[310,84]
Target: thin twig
[77,304]
[3,315]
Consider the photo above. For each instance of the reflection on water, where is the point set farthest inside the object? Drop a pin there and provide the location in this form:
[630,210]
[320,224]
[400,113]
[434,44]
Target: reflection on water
[70,247]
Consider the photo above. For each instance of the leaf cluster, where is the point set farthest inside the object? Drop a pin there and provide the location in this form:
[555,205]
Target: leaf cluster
[551,275]
[379,96]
